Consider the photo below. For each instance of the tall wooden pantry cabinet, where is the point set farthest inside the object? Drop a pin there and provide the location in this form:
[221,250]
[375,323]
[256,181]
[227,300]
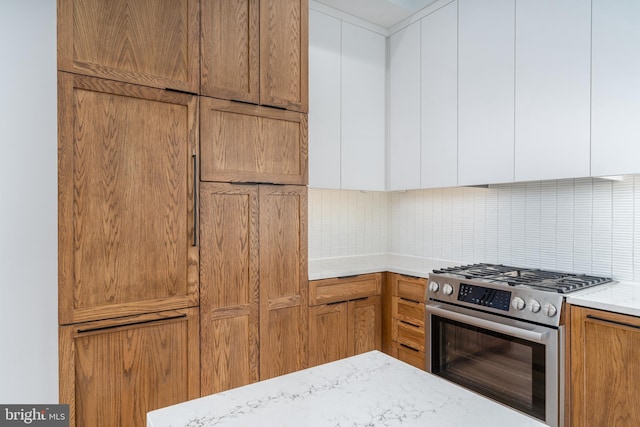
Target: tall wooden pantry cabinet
[180,273]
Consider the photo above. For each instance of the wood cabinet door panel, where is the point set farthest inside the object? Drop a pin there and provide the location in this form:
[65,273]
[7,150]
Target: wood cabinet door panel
[228,285]
[126,223]
[245,143]
[230,49]
[605,349]
[408,311]
[409,355]
[365,322]
[116,371]
[327,333]
[229,352]
[283,280]
[284,47]
[409,335]
[152,43]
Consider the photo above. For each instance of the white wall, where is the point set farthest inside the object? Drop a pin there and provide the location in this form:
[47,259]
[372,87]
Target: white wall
[28,203]
[580,225]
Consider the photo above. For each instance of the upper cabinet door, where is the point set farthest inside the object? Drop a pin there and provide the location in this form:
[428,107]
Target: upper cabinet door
[439,95]
[485,91]
[251,143]
[324,100]
[553,45]
[363,108]
[404,108]
[126,201]
[615,108]
[284,47]
[230,49]
[146,42]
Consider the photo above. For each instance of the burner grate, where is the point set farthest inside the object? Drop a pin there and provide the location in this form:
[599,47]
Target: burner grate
[551,281]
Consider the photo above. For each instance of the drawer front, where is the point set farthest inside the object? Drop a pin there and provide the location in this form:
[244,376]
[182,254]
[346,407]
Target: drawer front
[411,288]
[344,289]
[408,311]
[407,334]
[411,356]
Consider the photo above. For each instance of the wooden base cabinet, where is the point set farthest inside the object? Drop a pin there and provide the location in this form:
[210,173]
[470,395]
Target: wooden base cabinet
[605,350]
[407,318]
[349,323]
[254,283]
[112,372]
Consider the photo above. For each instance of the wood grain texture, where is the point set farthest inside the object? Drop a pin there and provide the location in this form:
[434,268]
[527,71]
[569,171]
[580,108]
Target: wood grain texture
[410,288]
[408,311]
[326,291]
[147,42]
[327,333]
[283,275]
[284,47]
[245,143]
[409,335]
[125,199]
[229,286]
[605,349]
[409,355]
[387,342]
[365,325]
[113,373]
[230,49]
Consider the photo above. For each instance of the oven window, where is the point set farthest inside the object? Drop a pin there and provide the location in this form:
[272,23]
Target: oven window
[509,370]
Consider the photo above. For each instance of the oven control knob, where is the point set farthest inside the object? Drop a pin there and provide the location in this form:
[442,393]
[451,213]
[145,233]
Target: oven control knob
[517,303]
[534,306]
[433,287]
[550,310]
[447,289]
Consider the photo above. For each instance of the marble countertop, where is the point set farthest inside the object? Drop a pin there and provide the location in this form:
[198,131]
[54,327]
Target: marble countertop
[348,266]
[370,389]
[619,297]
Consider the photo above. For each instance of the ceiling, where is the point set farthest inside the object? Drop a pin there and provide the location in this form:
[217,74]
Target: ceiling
[385,13]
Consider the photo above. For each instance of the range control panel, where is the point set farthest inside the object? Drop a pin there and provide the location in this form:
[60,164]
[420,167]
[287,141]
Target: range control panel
[486,297]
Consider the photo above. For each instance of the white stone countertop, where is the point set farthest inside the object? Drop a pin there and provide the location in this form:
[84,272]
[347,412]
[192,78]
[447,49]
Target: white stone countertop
[370,389]
[349,266]
[619,297]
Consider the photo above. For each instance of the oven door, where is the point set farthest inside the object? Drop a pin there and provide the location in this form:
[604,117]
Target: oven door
[512,362]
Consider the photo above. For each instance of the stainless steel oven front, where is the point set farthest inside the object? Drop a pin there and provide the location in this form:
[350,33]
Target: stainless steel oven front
[516,363]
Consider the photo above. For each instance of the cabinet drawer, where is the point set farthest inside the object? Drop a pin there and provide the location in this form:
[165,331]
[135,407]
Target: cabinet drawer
[408,311]
[409,355]
[407,334]
[411,288]
[344,289]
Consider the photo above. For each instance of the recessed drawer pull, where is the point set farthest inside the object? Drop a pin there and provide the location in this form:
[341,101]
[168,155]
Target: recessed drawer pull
[410,301]
[410,348]
[613,322]
[410,324]
[121,325]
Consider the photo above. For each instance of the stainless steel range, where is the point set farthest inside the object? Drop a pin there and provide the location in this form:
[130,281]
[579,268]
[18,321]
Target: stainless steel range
[498,330]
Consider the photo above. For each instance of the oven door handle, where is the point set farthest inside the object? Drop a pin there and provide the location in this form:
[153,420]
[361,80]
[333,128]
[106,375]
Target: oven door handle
[535,336]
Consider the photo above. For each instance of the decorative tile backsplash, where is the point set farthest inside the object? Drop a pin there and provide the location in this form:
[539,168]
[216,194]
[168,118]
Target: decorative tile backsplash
[580,225]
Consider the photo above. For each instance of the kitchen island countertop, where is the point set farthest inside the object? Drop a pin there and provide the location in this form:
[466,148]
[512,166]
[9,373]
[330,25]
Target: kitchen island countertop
[371,389]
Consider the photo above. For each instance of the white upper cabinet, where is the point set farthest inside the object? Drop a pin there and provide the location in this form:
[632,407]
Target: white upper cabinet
[363,108]
[324,100]
[615,86]
[552,99]
[439,98]
[486,91]
[404,108]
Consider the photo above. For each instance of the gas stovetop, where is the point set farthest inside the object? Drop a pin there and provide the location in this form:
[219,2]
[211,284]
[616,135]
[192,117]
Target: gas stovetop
[520,293]
[545,280]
